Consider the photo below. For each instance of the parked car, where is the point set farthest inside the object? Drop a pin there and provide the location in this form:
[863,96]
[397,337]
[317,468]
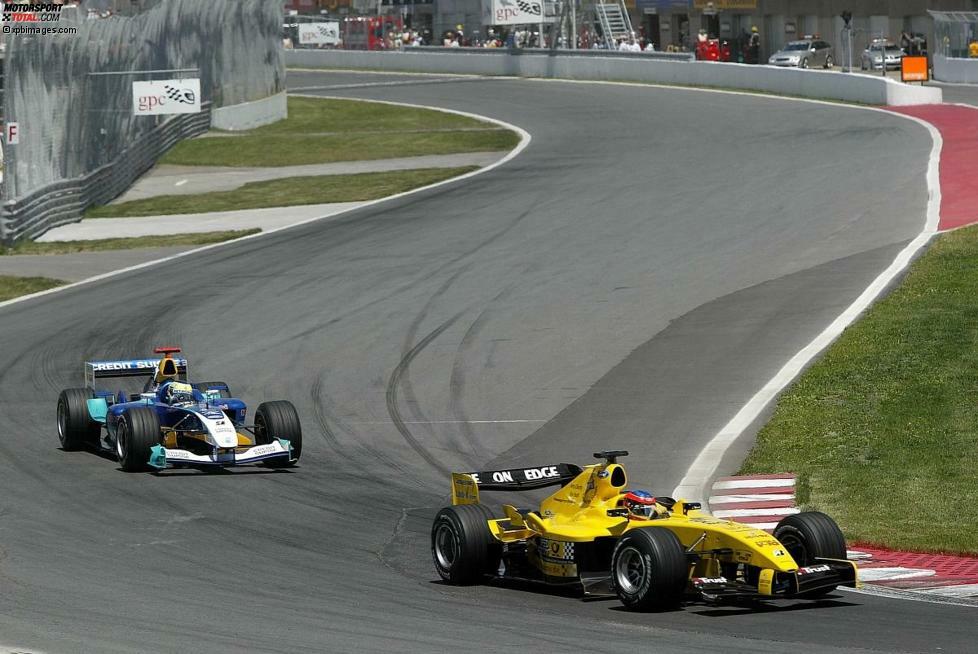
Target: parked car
[874,55]
[804,53]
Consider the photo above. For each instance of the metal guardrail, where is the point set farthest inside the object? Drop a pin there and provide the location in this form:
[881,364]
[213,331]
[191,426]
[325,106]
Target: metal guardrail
[65,201]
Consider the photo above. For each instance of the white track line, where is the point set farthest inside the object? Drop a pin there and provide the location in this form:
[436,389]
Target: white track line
[748,513]
[753,483]
[525,139]
[731,499]
[697,478]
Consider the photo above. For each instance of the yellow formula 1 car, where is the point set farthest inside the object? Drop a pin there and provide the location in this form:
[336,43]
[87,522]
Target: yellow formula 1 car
[652,553]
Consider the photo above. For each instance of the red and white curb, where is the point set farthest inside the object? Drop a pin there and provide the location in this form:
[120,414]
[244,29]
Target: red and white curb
[763,500]
[758,500]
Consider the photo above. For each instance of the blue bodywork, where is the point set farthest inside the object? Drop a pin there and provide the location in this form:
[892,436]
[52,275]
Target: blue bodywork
[107,407]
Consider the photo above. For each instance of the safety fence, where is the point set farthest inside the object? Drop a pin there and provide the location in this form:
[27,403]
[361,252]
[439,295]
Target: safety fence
[64,201]
[71,96]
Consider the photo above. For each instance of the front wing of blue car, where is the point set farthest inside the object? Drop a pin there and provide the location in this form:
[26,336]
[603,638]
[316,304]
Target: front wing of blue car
[163,457]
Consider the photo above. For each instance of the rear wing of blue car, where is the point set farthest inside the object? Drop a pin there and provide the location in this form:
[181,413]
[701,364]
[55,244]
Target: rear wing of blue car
[95,370]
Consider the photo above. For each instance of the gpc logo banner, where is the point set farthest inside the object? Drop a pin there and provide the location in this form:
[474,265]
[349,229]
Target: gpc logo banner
[171,96]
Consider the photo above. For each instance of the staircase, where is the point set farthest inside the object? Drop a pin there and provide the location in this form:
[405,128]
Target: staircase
[614,21]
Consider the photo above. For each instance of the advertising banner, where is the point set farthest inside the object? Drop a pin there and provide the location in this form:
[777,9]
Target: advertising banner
[662,6]
[725,5]
[319,33]
[514,12]
[169,96]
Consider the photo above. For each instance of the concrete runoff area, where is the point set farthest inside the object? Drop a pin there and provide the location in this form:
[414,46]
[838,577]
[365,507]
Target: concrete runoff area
[168,179]
[193,223]
[431,333]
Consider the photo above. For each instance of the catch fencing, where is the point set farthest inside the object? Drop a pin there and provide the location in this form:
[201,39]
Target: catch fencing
[71,95]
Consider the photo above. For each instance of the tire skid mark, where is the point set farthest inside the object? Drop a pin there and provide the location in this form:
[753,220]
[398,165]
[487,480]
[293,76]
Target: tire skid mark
[456,383]
[363,451]
[403,378]
[392,391]
[407,388]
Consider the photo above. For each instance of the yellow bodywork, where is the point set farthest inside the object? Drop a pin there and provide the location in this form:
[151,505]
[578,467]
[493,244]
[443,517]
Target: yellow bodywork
[588,508]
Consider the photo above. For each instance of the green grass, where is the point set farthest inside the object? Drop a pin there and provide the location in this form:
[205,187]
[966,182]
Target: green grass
[68,247]
[284,192]
[323,131]
[883,430]
[11,287]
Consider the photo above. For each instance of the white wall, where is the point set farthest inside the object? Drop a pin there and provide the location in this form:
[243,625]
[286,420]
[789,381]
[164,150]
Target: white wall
[818,84]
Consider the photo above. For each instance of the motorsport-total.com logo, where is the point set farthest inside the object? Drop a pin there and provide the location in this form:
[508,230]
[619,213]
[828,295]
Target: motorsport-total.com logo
[31,12]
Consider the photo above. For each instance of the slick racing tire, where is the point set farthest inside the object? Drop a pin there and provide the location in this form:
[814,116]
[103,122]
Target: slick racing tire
[75,426]
[203,386]
[462,546]
[810,535]
[136,434]
[649,569]
[278,419]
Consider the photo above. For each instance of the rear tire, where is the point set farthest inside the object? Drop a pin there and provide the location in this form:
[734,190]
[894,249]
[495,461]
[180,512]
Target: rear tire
[810,535]
[462,545]
[138,431]
[278,419]
[203,386]
[649,569]
[75,425]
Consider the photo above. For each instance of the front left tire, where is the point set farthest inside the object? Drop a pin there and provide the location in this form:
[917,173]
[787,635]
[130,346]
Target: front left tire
[136,434]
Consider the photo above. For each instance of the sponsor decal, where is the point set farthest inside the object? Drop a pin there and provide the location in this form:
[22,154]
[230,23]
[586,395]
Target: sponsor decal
[813,569]
[262,450]
[702,581]
[515,476]
[177,454]
[555,550]
[778,553]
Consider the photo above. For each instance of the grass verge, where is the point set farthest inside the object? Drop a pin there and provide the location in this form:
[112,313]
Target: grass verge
[883,430]
[11,287]
[284,192]
[326,130]
[69,247]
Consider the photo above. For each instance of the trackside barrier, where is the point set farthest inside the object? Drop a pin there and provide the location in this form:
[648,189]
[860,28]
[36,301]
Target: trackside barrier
[816,84]
[952,69]
[63,202]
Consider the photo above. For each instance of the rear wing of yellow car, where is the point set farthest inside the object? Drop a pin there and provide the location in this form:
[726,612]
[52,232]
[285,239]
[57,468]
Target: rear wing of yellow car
[466,485]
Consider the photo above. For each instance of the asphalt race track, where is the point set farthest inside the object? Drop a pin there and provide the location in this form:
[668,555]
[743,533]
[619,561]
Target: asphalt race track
[628,281]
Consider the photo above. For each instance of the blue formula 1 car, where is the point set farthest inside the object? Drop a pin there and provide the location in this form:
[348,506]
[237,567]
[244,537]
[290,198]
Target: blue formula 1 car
[172,423]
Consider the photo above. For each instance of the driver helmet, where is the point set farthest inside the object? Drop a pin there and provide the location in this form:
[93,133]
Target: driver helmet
[640,504]
[179,393]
